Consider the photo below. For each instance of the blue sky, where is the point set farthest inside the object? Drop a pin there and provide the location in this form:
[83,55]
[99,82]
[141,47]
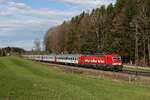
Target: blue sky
[23,21]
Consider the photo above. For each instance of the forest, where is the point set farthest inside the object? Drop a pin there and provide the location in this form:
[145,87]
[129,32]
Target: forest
[122,28]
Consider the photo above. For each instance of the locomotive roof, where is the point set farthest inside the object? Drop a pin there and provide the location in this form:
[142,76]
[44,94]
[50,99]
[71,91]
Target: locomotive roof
[69,55]
[94,55]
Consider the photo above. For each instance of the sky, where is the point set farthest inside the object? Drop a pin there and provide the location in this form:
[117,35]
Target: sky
[23,21]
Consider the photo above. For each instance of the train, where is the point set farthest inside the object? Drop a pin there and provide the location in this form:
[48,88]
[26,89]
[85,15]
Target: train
[104,61]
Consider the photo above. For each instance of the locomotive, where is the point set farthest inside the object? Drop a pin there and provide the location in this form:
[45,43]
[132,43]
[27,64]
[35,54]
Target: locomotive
[107,61]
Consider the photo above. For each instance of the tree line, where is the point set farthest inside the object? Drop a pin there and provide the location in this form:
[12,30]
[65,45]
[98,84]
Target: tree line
[122,28]
[10,50]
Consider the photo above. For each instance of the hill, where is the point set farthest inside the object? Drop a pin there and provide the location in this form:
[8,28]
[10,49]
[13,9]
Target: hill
[23,80]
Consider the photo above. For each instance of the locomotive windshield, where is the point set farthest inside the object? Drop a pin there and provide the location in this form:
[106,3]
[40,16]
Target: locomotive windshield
[116,58]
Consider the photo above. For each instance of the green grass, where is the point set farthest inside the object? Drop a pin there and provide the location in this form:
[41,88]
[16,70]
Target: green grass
[23,80]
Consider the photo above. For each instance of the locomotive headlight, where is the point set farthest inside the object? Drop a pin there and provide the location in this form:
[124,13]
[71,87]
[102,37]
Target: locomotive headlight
[116,63]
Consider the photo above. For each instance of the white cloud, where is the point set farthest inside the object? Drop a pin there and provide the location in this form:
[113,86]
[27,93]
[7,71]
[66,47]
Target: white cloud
[24,29]
[87,4]
[20,22]
[17,5]
[17,43]
[13,9]
[14,4]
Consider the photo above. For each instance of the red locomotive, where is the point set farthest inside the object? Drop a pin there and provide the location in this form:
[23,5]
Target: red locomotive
[108,61]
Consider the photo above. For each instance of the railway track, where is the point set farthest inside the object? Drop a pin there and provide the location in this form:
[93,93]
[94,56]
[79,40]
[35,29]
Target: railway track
[137,73]
[130,72]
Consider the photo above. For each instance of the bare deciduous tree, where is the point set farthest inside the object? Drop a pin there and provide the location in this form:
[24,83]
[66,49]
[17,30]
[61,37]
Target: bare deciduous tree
[37,45]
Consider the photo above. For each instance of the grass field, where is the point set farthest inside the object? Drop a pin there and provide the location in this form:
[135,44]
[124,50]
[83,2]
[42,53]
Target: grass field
[23,80]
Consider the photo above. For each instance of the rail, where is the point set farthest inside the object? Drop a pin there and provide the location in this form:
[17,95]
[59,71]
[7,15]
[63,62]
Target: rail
[139,67]
[137,73]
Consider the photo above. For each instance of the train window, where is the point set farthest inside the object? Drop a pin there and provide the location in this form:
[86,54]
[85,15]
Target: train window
[116,58]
